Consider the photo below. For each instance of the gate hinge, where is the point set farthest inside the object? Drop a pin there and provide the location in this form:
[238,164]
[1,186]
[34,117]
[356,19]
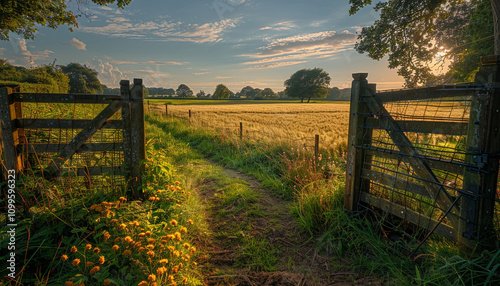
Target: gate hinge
[479,161]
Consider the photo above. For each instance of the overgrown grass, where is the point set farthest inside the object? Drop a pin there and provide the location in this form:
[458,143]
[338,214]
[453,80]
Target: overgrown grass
[316,189]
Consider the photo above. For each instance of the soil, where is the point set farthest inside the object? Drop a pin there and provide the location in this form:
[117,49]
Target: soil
[298,263]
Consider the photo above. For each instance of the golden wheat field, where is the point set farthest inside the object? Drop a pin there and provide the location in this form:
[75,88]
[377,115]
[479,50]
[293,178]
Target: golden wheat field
[292,123]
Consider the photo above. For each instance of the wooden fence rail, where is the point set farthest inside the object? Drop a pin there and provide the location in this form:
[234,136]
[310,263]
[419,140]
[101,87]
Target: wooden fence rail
[17,145]
[449,187]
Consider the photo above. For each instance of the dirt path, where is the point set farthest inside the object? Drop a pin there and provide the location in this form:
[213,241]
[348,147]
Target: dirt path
[296,262]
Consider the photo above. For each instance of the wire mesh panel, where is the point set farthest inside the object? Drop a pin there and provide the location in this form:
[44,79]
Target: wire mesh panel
[426,156]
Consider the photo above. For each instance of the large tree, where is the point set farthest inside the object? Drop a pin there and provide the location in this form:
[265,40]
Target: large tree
[308,83]
[221,92]
[183,91]
[82,79]
[414,33]
[22,16]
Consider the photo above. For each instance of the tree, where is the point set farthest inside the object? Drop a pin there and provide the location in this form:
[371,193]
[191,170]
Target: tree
[221,92]
[413,33]
[307,83]
[22,16]
[267,93]
[247,92]
[334,93]
[183,91]
[82,79]
[201,94]
[8,72]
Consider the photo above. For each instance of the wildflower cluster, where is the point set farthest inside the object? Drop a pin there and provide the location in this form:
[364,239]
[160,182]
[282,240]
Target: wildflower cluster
[86,264]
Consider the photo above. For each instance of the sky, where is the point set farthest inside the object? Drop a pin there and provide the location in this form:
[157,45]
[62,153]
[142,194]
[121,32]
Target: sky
[202,43]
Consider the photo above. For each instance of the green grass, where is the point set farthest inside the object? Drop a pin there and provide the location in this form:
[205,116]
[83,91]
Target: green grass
[318,206]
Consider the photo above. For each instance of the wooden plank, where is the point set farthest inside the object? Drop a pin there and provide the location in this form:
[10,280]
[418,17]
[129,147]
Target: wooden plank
[436,92]
[453,167]
[127,144]
[446,128]
[355,157]
[409,215]
[137,136]
[395,183]
[9,141]
[64,98]
[57,148]
[80,138]
[419,166]
[99,170]
[28,123]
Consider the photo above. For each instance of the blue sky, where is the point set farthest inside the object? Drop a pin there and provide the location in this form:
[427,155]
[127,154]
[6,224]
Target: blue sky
[204,43]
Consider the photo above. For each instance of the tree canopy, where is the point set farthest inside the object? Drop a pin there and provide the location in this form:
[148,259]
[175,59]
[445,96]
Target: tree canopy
[183,91]
[414,33]
[82,79]
[52,77]
[21,16]
[221,92]
[308,83]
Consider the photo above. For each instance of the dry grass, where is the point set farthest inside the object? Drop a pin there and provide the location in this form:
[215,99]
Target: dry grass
[296,124]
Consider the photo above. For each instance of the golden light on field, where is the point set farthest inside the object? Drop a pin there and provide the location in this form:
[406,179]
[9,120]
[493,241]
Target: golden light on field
[296,124]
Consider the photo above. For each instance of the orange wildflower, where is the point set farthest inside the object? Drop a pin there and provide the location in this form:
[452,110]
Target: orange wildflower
[152,277]
[107,235]
[102,259]
[142,283]
[122,226]
[164,261]
[174,222]
[88,246]
[76,262]
[68,283]
[113,220]
[73,249]
[127,252]
[89,263]
[150,247]
[151,253]
[190,221]
[94,270]
[122,199]
[106,282]
[183,229]
[64,257]
[148,233]
[97,250]
[115,247]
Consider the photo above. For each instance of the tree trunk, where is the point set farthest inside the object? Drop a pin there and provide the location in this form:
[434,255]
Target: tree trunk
[301,100]
[308,99]
[495,5]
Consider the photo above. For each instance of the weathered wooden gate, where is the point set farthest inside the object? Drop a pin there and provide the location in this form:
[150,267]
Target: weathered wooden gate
[429,156]
[112,142]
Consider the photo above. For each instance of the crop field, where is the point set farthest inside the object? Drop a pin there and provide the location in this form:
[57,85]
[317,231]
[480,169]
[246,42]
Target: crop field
[295,124]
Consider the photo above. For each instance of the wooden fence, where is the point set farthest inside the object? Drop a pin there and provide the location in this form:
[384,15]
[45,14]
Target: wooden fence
[27,140]
[429,156]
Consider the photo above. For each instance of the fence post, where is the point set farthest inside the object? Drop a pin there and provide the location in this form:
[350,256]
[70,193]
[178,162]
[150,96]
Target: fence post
[126,127]
[316,146]
[480,180]
[241,131]
[166,110]
[190,115]
[137,136]
[357,114]
[10,136]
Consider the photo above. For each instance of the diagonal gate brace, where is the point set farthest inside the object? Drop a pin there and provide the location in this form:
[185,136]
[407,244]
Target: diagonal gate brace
[420,167]
[54,169]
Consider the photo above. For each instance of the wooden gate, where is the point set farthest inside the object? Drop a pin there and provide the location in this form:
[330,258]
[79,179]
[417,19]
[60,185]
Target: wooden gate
[27,139]
[429,156]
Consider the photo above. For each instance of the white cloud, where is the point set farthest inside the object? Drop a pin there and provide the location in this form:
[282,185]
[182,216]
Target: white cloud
[78,44]
[281,26]
[276,65]
[108,74]
[223,77]
[200,73]
[165,31]
[279,52]
[21,55]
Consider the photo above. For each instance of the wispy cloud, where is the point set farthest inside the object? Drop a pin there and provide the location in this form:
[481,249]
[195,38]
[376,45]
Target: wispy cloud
[223,77]
[78,44]
[164,31]
[281,26]
[200,73]
[21,55]
[300,48]
[276,65]
[117,62]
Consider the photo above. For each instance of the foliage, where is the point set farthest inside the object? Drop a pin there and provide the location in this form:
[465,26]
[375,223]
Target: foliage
[414,33]
[267,93]
[221,92]
[46,78]
[184,91]
[200,94]
[82,79]
[334,93]
[308,83]
[22,16]
[249,92]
